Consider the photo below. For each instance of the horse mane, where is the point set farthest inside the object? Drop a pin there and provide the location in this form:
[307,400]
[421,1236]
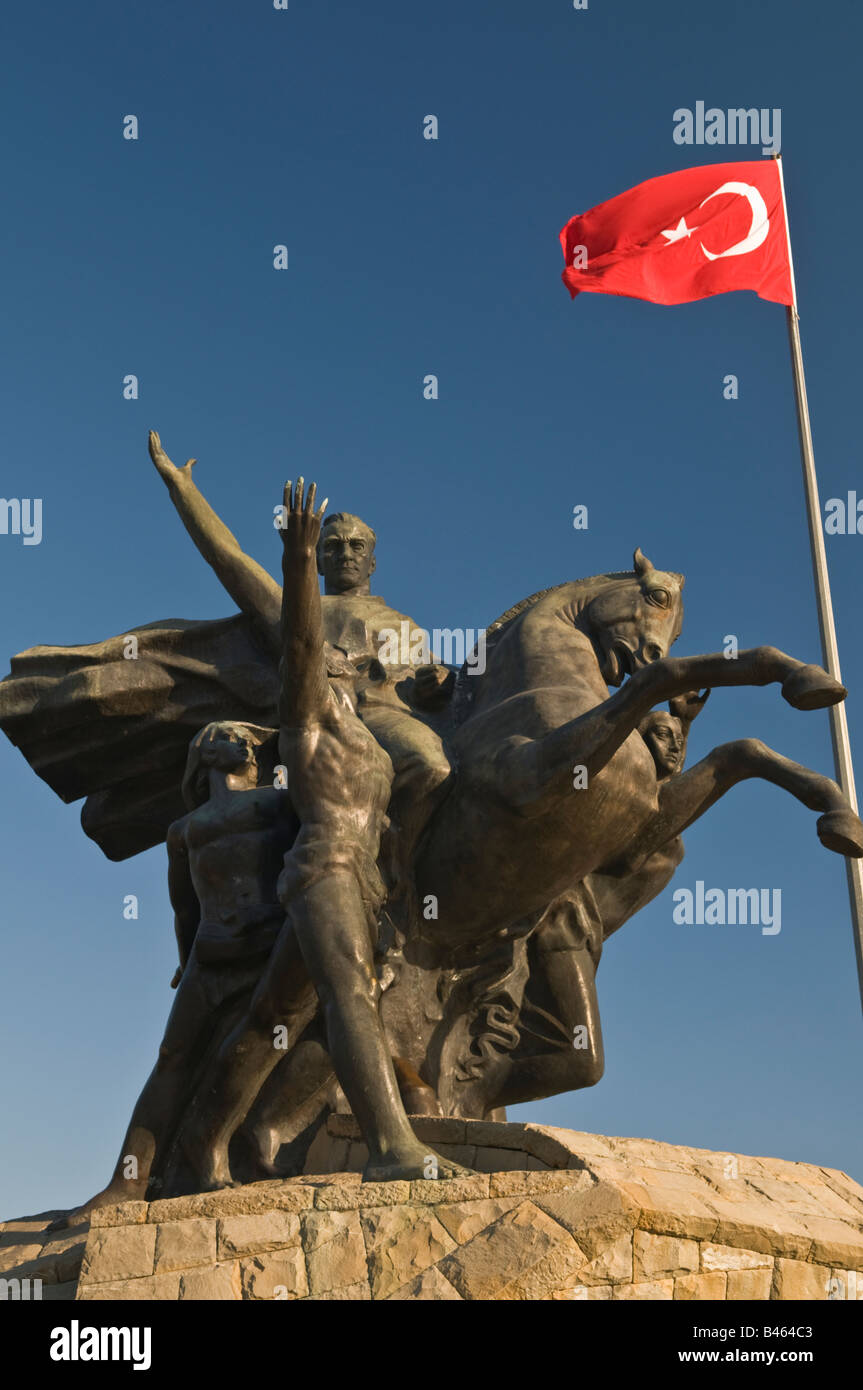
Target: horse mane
[462,693]
[518,608]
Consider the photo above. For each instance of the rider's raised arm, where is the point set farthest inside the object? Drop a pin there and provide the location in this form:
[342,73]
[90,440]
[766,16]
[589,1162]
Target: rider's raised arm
[254,591]
[303,686]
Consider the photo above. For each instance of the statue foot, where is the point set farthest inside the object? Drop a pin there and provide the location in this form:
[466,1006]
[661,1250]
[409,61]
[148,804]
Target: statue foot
[74,1218]
[108,1197]
[412,1162]
[841,831]
[810,687]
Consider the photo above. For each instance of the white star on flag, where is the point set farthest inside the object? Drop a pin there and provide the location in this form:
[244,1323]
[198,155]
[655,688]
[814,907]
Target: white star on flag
[679,231]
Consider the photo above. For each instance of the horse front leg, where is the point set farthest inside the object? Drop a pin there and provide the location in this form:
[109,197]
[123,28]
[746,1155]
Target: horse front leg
[592,739]
[686,796]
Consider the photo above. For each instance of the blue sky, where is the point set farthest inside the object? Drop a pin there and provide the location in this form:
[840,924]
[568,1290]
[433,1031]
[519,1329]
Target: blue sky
[409,257]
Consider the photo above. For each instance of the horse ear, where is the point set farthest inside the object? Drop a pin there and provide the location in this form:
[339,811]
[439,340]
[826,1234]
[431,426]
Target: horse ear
[641,563]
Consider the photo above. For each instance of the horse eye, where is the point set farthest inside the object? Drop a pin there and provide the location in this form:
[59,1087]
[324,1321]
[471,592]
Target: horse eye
[660,597]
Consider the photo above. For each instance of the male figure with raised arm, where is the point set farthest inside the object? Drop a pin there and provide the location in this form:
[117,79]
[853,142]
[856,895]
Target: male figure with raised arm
[128,705]
[339,780]
[352,620]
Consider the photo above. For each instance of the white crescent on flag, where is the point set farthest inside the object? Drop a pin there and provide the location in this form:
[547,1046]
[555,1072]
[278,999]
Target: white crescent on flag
[757,233]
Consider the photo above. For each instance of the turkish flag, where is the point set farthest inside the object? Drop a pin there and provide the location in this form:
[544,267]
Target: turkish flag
[685,236]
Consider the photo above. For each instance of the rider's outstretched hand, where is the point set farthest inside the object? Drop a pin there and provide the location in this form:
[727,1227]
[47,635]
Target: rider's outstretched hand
[302,524]
[168,470]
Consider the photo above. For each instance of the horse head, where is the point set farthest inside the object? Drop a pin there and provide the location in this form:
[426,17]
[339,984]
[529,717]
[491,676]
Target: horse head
[633,620]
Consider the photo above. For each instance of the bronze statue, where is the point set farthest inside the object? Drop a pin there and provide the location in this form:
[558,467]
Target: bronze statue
[444,883]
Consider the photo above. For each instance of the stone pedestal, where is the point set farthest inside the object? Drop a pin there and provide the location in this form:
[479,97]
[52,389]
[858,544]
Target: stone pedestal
[551,1214]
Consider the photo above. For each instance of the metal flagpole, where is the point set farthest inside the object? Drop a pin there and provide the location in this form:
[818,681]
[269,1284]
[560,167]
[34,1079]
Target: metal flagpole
[829,649]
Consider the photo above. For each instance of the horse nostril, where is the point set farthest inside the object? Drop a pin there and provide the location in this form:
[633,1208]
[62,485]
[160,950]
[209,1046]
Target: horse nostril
[652,652]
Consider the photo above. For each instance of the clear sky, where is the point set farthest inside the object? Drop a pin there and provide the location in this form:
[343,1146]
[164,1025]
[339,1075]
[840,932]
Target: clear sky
[407,257]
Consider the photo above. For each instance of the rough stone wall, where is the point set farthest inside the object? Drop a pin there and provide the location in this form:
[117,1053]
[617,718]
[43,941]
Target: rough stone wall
[37,1264]
[560,1216]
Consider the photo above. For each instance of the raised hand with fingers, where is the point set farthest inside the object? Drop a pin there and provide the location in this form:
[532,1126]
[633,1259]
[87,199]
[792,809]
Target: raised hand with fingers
[302,524]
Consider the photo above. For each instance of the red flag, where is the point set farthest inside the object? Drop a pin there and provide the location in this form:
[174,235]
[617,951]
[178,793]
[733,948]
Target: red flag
[685,236]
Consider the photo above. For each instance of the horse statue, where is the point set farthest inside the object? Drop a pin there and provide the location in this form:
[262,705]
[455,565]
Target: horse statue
[546,824]
[557,812]
[529,867]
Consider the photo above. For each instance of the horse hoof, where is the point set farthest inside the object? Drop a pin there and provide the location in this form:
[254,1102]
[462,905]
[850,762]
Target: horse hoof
[841,831]
[810,687]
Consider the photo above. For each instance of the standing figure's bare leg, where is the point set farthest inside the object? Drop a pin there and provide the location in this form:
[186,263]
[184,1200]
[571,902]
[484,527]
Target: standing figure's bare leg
[284,1000]
[340,961]
[294,1096]
[325,944]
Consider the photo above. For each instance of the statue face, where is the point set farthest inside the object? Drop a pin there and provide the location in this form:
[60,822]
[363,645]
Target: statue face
[664,737]
[346,558]
[231,750]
